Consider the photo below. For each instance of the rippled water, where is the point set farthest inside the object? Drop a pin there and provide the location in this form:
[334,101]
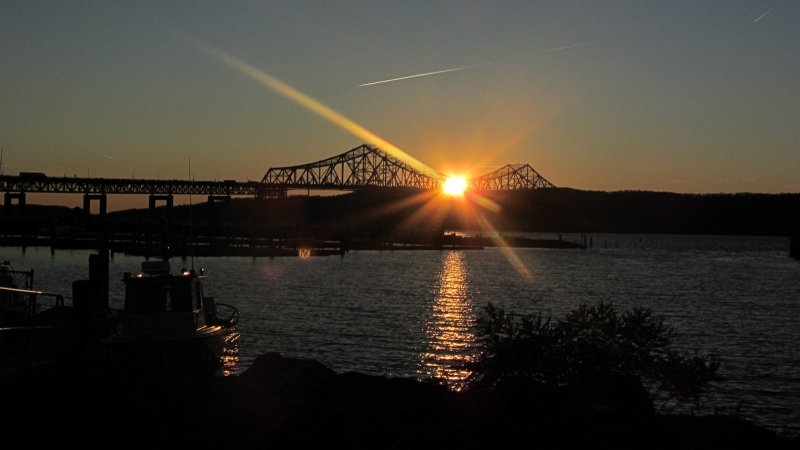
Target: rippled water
[411,313]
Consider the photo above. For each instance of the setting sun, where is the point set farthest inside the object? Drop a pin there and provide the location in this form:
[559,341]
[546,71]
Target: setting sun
[455,186]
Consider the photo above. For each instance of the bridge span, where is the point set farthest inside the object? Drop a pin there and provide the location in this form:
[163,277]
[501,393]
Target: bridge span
[97,189]
[357,168]
[368,166]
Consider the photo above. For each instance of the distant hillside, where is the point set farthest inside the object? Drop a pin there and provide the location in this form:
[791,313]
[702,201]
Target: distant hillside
[651,212]
[552,210]
[44,212]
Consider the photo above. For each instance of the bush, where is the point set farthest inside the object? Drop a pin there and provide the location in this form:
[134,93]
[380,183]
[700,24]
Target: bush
[589,343]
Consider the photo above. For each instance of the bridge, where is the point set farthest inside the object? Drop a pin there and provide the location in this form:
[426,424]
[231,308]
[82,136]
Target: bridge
[510,177]
[369,166]
[354,169]
[360,167]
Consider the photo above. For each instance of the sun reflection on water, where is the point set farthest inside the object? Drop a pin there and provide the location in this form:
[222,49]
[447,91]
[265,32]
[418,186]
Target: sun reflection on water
[449,329]
[230,355]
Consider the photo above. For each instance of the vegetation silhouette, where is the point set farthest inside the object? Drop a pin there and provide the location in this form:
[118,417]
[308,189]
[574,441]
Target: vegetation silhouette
[590,344]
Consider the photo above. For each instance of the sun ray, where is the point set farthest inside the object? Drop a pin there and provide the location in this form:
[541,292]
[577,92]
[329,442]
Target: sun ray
[507,251]
[484,202]
[478,217]
[432,213]
[315,106]
[398,205]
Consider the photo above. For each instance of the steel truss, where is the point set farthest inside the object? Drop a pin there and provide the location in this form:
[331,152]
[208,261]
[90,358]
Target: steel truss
[360,167]
[66,185]
[510,177]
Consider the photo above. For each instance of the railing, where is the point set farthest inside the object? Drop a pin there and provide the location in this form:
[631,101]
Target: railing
[9,277]
[66,185]
[25,302]
[232,319]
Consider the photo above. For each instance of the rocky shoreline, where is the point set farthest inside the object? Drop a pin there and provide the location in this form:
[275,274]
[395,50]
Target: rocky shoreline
[290,403]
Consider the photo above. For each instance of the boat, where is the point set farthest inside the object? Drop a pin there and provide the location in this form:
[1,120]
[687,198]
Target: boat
[34,325]
[14,303]
[168,322]
[21,305]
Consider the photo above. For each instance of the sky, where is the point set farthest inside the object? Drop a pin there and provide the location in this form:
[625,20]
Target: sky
[680,96]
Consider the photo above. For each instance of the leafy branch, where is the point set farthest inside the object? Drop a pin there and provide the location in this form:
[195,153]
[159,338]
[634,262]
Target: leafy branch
[590,342]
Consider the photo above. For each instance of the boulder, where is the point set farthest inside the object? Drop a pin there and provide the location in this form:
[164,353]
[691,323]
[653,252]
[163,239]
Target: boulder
[274,373]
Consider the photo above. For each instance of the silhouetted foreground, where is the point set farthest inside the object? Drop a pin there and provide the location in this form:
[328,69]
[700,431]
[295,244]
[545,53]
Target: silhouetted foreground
[289,403]
[591,342]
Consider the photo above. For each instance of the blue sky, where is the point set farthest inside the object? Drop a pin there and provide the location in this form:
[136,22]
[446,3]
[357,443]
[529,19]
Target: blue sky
[681,96]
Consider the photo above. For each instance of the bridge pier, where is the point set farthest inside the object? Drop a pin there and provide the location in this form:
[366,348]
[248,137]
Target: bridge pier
[9,203]
[212,214]
[87,203]
[167,199]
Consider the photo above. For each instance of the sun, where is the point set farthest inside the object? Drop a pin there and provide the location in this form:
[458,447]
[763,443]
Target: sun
[455,186]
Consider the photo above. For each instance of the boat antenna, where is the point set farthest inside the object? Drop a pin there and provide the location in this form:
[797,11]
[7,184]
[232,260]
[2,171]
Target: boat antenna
[1,160]
[191,218]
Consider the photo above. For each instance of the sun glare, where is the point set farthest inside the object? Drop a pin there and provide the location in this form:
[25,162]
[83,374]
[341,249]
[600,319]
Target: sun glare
[455,186]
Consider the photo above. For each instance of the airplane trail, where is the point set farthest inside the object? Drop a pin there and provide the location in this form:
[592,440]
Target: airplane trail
[413,76]
[558,49]
[435,72]
[762,16]
[473,66]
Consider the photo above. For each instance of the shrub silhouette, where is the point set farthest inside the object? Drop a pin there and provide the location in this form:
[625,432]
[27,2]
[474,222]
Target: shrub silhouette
[589,343]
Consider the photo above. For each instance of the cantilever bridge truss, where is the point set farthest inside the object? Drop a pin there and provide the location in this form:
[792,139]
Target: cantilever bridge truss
[360,167]
[367,166]
[509,178]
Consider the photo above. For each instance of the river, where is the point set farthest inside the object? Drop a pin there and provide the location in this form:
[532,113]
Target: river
[411,313]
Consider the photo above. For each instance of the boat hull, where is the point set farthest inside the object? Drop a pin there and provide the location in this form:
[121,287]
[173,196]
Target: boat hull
[206,352]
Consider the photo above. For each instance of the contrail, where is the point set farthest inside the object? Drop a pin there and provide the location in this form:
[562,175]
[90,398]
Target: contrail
[762,16]
[558,49]
[473,66]
[435,72]
[414,76]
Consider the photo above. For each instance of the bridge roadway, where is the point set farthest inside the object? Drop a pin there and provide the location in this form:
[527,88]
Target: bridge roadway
[68,185]
[41,183]
[96,189]
[160,191]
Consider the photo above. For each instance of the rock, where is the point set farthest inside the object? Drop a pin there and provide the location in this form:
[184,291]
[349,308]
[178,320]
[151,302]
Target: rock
[610,394]
[272,372]
[293,403]
[704,432]
[620,394]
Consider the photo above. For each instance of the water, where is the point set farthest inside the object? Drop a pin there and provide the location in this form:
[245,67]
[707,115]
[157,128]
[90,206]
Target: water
[411,313]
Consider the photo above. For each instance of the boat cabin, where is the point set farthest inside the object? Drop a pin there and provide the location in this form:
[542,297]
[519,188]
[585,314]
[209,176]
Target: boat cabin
[159,302]
[155,290]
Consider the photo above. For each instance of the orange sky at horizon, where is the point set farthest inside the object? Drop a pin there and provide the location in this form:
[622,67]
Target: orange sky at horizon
[682,97]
